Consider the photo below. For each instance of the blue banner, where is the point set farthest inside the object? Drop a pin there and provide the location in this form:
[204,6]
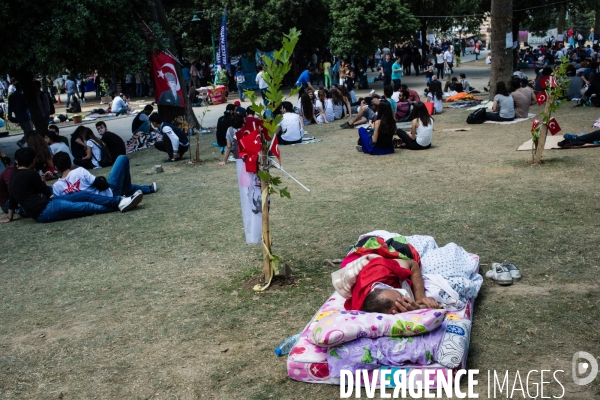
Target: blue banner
[222,55]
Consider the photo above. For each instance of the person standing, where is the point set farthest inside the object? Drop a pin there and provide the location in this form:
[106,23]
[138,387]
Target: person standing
[397,72]
[262,84]
[18,106]
[240,80]
[477,50]
[71,89]
[386,70]
[304,80]
[448,59]
[327,74]
[138,84]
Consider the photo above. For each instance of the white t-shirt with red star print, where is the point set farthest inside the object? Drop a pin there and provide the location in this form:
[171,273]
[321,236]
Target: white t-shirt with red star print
[78,180]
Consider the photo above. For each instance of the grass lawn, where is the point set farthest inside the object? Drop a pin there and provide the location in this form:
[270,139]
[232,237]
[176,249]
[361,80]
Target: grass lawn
[157,302]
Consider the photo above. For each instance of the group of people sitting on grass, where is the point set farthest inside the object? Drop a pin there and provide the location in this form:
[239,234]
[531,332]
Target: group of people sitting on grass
[76,193]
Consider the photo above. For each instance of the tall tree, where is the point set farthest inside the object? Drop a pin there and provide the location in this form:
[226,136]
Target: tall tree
[501,23]
[359,26]
[160,16]
[48,36]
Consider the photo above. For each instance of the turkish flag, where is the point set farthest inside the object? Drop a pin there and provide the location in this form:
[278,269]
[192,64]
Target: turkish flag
[251,142]
[274,148]
[553,126]
[552,82]
[251,161]
[541,98]
[167,88]
[536,123]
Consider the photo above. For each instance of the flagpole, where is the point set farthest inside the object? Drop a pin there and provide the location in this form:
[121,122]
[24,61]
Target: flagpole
[279,167]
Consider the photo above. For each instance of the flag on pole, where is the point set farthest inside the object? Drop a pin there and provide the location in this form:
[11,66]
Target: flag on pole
[541,98]
[534,126]
[223,55]
[167,88]
[553,126]
[274,148]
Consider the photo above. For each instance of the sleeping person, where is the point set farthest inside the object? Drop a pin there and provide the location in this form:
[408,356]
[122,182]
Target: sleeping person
[391,293]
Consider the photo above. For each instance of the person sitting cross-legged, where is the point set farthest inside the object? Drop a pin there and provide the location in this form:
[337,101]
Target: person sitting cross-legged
[289,130]
[79,179]
[421,132]
[384,128]
[365,113]
[35,197]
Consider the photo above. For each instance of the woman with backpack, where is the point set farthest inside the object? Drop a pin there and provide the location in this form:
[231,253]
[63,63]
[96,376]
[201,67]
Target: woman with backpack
[504,105]
[93,148]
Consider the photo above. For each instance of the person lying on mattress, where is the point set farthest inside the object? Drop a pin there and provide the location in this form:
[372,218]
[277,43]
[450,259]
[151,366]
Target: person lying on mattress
[375,282]
[384,286]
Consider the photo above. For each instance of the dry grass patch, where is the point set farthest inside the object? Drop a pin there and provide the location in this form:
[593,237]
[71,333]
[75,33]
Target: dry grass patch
[155,302]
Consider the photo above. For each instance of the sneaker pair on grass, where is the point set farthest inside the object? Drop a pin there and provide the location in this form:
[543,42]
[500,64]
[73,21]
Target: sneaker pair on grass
[504,274]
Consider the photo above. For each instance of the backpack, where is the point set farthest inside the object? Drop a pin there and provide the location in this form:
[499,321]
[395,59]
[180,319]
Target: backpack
[477,116]
[105,156]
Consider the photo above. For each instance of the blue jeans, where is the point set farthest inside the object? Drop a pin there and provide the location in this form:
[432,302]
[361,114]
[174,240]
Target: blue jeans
[241,87]
[69,95]
[120,179]
[80,204]
[145,127]
[138,89]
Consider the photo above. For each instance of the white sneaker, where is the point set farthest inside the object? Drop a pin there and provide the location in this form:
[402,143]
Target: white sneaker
[153,188]
[500,274]
[514,271]
[128,203]
[231,159]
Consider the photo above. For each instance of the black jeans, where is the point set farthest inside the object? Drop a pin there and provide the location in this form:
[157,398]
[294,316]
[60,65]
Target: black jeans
[87,164]
[590,137]
[496,117]
[166,146]
[410,143]
[282,141]
[440,71]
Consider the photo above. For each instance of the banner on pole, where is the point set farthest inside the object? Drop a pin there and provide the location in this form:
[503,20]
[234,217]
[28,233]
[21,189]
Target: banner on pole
[167,90]
[222,55]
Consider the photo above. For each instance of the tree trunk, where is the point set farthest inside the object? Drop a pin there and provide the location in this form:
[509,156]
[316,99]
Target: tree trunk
[539,149]
[516,22]
[562,15]
[25,78]
[597,23]
[502,58]
[266,226]
[161,18]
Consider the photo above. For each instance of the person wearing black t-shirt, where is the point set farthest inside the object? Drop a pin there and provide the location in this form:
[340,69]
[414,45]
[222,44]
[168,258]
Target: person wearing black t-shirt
[115,144]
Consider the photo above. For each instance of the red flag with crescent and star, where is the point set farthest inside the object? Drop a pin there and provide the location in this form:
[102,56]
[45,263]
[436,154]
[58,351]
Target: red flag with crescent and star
[536,123]
[553,126]
[541,98]
[167,88]
[274,148]
[250,145]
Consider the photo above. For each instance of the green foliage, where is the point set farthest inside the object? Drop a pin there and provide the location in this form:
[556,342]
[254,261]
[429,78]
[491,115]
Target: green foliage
[80,35]
[273,73]
[251,25]
[555,96]
[359,26]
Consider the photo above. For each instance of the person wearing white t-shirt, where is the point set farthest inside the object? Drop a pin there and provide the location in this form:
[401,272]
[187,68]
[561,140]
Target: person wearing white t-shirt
[56,146]
[81,180]
[448,59]
[420,135]
[289,130]
[93,152]
[435,95]
[262,84]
